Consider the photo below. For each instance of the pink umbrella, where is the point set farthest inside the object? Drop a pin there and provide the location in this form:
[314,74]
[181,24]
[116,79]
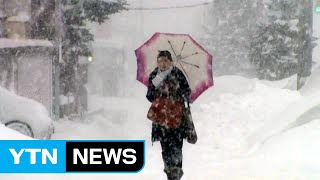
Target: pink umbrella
[194,61]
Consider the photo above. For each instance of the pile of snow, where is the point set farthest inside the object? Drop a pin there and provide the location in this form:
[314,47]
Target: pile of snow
[296,114]
[290,155]
[287,83]
[232,110]
[299,146]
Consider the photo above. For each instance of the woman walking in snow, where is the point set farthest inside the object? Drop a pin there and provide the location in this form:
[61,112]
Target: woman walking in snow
[168,81]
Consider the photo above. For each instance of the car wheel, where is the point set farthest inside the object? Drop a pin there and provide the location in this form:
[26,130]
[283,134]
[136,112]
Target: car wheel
[21,127]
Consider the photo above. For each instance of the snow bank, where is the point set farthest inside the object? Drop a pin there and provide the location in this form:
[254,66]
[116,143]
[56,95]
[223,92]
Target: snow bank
[290,155]
[299,146]
[287,83]
[296,114]
[229,112]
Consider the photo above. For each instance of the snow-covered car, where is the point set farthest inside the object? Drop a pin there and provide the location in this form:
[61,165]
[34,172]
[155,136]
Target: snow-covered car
[25,115]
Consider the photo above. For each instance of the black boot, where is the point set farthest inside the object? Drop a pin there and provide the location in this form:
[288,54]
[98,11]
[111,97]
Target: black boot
[174,173]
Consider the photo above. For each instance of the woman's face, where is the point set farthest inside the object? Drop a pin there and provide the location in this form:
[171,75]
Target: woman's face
[164,63]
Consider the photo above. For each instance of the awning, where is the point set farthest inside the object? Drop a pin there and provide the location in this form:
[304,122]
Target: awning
[14,43]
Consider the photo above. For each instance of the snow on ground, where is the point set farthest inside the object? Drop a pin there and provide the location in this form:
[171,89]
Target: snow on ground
[290,155]
[296,114]
[295,147]
[234,109]
[224,117]
[288,83]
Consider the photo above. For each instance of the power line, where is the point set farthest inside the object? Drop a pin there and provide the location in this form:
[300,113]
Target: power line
[171,7]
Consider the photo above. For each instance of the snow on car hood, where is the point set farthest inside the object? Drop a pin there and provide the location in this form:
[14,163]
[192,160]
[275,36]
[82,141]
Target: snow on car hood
[14,107]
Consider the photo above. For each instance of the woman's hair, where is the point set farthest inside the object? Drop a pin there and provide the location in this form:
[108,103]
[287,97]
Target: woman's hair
[165,54]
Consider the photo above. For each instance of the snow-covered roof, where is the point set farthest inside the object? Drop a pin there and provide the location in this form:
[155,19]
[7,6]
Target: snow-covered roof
[164,3]
[13,43]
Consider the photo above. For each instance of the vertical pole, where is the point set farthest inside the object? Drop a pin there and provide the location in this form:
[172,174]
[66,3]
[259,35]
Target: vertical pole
[57,61]
[305,60]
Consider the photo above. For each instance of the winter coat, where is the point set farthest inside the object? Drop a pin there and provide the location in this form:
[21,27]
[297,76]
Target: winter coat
[176,87]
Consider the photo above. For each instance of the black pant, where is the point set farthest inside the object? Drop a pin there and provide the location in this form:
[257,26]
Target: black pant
[172,150]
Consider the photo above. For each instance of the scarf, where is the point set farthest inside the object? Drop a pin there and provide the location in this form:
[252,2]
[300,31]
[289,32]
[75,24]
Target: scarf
[161,75]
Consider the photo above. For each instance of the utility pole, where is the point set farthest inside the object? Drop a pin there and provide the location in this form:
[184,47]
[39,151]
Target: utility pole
[305,57]
[57,60]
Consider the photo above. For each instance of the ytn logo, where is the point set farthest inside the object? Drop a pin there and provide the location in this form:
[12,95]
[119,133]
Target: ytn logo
[59,156]
[31,153]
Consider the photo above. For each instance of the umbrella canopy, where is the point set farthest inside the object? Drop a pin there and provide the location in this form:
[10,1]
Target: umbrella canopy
[194,61]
